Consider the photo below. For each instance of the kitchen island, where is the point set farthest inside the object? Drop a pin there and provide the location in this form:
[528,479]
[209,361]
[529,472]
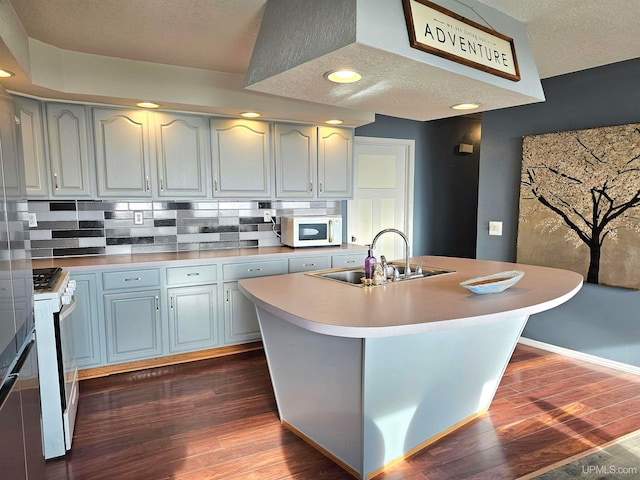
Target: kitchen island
[371,375]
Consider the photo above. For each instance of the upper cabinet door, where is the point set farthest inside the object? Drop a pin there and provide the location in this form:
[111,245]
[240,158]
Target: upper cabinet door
[335,162]
[241,158]
[296,158]
[122,153]
[182,155]
[68,150]
[29,113]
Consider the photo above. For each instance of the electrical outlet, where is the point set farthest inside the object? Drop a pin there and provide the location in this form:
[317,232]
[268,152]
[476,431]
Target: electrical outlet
[138,218]
[33,221]
[267,216]
[495,228]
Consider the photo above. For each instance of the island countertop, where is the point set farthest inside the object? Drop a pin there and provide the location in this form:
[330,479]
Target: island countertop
[431,303]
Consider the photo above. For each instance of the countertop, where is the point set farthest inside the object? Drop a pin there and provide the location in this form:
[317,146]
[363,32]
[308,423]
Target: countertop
[87,263]
[431,303]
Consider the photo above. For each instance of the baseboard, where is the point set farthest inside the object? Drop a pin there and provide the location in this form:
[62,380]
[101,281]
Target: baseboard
[167,360]
[605,362]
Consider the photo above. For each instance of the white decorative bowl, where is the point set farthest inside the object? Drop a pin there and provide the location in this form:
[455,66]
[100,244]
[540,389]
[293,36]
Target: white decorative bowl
[495,283]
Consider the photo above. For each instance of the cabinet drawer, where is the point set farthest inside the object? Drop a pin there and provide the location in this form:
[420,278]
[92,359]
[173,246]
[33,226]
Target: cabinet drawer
[351,260]
[238,271]
[194,275]
[130,279]
[307,264]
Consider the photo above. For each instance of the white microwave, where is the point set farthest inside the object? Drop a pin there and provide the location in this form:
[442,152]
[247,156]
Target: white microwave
[311,231]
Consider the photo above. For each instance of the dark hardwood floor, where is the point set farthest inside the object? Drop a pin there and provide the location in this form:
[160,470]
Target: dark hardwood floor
[216,419]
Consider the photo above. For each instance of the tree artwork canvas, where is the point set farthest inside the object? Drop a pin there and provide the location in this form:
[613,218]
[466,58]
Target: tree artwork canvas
[580,203]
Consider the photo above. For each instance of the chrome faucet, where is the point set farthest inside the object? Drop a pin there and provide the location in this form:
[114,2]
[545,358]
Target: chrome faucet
[407,268]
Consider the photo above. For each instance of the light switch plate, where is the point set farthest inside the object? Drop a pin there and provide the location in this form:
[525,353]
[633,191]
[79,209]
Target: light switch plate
[33,220]
[267,216]
[138,218]
[495,228]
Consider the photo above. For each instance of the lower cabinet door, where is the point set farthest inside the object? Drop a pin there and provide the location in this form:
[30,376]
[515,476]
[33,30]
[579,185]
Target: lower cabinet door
[193,318]
[133,325]
[85,322]
[240,319]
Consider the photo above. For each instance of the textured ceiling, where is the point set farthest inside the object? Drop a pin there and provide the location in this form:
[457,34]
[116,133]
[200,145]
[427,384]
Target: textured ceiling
[572,35]
[217,36]
[209,34]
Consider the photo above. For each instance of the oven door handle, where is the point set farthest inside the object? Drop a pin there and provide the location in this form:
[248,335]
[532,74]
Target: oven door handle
[68,309]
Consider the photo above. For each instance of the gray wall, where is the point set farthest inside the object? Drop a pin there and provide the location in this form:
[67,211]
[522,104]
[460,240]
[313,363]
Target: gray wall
[601,321]
[446,182]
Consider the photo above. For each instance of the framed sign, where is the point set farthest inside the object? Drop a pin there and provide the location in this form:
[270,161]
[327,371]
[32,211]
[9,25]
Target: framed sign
[439,31]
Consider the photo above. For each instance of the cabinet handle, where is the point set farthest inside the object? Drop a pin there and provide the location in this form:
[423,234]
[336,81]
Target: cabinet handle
[311,187]
[132,279]
[194,274]
[215,184]
[349,261]
[148,185]
[157,304]
[161,184]
[55,181]
[254,269]
[321,187]
[227,292]
[171,301]
[308,264]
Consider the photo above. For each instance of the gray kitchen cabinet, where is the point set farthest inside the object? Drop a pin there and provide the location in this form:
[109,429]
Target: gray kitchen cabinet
[240,318]
[241,158]
[308,264]
[85,322]
[11,165]
[69,152]
[132,314]
[296,160]
[182,158]
[193,307]
[335,162]
[29,113]
[123,158]
[133,325]
[350,260]
[193,315]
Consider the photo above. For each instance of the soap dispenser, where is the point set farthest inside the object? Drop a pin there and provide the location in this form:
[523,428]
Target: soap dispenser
[369,264]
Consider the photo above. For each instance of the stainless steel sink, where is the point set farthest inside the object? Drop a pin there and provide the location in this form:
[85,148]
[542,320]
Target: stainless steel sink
[347,276]
[353,276]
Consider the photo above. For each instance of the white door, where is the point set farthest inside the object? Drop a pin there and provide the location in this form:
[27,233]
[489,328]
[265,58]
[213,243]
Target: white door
[383,194]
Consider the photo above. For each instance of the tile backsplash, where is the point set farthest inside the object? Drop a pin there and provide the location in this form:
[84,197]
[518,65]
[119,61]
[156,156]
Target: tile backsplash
[84,227]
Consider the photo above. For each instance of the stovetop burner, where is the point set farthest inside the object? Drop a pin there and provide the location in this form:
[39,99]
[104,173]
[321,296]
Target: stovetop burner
[44,279]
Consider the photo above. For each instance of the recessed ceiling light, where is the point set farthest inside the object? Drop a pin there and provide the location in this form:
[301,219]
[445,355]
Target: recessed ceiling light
[334,122]
[466,106]
[6,73]
[343,76]
[147,105]
[250,114]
